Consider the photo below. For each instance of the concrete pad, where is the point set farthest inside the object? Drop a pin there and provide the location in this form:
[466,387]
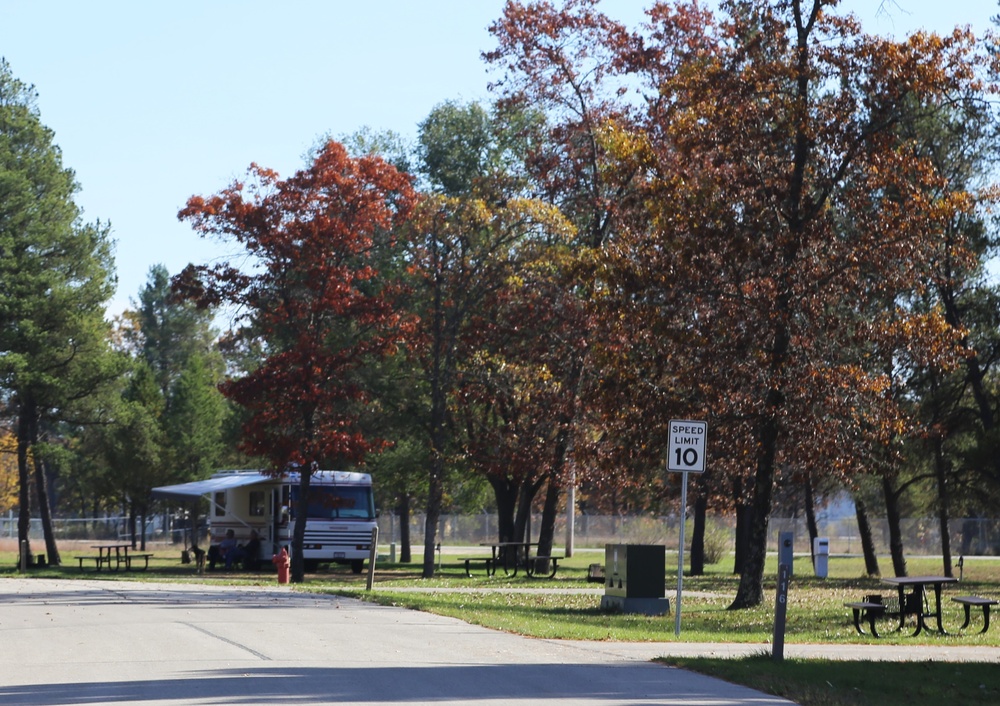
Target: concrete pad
[108,642]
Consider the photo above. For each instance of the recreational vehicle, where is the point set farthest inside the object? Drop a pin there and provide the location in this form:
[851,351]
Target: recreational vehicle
[339,510]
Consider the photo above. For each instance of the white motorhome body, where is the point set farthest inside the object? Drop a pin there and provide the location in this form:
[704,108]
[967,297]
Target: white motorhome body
[340,512]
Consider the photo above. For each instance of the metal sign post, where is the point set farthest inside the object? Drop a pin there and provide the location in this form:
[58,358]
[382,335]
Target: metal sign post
[685,454]
[680,555]
[780,612]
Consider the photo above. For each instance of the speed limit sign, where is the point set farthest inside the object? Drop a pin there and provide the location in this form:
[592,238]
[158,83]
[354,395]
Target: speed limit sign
[686,448]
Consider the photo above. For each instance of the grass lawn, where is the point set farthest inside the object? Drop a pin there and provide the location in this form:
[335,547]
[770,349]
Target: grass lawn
[816,614]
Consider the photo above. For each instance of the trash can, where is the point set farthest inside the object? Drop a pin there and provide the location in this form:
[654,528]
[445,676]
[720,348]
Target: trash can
[821,556]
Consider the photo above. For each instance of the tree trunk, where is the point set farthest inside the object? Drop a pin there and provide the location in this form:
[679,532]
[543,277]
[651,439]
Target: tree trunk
[24,483]
[522,520]
[941,474]
[134,526]
[439,378]
[811,525]
[867,540]
[698,536]
[750,592]
[132,514]
[403,512]
[743,517]
[892,516]
[770,426]
[505,491]
[298,567]
[42,498]
[547,531]
[435,496]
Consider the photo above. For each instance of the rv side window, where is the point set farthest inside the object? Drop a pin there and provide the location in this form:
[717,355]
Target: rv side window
[220,504]
[256,503]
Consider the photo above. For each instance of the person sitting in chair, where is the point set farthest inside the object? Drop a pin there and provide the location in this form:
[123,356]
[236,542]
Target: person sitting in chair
[225,551]
[250,552]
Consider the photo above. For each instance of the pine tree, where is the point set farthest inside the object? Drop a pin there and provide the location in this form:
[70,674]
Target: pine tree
[55,277]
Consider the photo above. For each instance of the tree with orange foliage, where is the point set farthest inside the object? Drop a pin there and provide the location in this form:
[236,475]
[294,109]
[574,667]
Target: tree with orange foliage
[8,472]
[311,294]
[755,280]
[561,63]
[785,215]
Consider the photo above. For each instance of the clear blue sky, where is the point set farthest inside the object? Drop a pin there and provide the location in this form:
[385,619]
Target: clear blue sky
[152,102]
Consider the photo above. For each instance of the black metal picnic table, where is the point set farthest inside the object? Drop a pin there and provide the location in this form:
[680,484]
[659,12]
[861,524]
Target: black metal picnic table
[916,603]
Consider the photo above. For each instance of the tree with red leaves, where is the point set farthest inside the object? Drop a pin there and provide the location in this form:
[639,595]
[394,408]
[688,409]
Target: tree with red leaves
[309,291]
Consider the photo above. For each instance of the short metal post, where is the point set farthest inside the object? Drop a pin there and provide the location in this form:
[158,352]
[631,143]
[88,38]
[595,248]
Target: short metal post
[372,555]
[780,612]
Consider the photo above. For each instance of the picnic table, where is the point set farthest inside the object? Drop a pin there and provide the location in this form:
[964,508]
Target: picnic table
[510,555]
[916,602]
[114,555]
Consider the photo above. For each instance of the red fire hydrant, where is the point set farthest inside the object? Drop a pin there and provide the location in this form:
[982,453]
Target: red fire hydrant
[284,564]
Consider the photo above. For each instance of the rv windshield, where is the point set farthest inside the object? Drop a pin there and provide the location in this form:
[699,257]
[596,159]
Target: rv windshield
[328,502]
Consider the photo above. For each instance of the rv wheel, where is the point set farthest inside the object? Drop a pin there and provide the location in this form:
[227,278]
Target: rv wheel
[357,565]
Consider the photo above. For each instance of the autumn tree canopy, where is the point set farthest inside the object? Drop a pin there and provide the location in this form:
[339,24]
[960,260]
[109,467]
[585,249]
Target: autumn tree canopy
[785,215]
[310,292]
[776,214]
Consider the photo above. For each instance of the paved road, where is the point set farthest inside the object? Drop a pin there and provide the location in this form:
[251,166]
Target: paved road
[98,642]
[107,642]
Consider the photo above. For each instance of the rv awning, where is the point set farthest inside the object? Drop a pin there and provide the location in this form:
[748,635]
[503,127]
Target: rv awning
[186,491]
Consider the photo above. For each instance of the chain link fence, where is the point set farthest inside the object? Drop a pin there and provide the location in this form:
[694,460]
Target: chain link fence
[103,528]
[972,537]
[969,536]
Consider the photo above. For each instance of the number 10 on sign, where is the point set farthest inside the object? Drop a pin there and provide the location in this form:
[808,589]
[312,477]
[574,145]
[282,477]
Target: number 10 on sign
[686,454]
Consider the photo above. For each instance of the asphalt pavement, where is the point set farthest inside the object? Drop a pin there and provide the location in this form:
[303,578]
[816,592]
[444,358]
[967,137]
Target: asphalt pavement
[110,642]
